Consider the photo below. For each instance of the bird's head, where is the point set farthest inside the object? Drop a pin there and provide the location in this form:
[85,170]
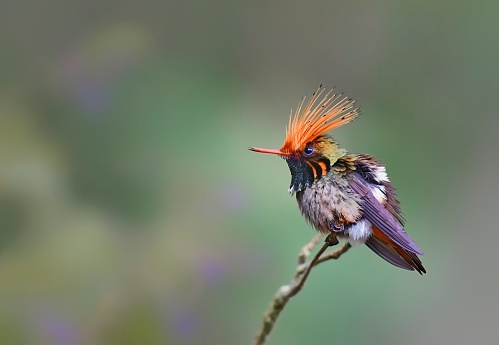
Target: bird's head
[307,149]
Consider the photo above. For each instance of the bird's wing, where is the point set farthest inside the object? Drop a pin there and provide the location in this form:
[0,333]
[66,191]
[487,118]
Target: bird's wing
[380,217]
[388,253]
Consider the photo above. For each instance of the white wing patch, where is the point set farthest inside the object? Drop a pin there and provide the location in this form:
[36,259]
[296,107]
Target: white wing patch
[380,176]
[380,173]
[379,193]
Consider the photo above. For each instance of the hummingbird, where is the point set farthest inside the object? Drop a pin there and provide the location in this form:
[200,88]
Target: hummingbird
[341,194]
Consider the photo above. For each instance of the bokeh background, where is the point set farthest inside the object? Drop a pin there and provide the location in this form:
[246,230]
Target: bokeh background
[131,211]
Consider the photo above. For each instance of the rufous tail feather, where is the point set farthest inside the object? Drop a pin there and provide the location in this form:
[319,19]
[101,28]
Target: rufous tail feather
[393,253]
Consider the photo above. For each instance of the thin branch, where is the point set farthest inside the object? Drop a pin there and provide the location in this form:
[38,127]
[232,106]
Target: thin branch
[310,265]
[335,254]
[285,292]
[306,249]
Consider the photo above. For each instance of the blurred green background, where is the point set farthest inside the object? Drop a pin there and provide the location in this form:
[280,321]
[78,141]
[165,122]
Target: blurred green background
[131,211]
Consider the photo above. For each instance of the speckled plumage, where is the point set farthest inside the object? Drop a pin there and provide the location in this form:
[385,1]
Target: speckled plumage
[329,204]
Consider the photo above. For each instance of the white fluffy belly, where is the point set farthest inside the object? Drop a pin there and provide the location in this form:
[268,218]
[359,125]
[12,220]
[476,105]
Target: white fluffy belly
[359,232]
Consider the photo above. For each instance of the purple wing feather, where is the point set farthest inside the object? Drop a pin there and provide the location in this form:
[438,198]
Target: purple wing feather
[380,217]
[388,253]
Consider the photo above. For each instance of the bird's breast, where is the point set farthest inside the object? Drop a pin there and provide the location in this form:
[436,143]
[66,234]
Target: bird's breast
[328,204]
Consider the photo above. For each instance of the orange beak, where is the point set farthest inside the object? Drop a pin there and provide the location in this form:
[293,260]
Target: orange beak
[269,151]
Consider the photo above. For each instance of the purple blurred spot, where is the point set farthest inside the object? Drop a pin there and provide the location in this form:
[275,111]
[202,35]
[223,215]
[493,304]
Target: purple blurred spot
[59,331]
[184,322]
[213,270]
[94,98]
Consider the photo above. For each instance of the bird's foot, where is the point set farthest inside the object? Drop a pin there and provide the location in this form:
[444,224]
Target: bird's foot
[331,239]
[338,226]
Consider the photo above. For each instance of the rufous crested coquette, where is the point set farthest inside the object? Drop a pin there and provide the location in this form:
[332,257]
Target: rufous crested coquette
[342,194]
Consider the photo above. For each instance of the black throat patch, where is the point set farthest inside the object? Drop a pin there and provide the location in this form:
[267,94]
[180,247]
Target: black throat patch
[305,171]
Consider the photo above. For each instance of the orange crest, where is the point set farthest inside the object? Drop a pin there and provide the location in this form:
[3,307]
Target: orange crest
[317,117]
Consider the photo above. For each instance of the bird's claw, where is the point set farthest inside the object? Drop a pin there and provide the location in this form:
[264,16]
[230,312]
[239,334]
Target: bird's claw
[331,240]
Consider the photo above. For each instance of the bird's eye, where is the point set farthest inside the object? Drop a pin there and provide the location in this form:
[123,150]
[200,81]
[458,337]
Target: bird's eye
[308,151]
